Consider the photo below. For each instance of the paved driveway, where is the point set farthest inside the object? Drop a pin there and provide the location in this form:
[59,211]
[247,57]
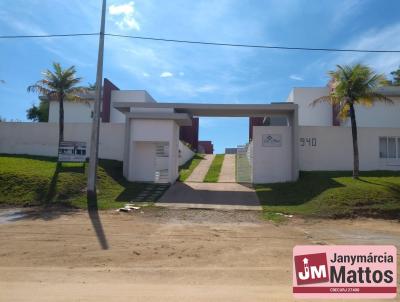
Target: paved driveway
[228,169]
[201,170]
[226,194]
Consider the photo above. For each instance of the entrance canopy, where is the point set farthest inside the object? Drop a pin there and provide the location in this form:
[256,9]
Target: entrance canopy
[149,124]
[214,110]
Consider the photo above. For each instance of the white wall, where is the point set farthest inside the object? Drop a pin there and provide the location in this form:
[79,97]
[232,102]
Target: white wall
[145,156]
[185,153]
[117,116]
[74,112]
[151,130]
[81,112]
[272,164]
[319,115]
[333,149]
[42,138]
[379,115]
[143,130]
[131,96]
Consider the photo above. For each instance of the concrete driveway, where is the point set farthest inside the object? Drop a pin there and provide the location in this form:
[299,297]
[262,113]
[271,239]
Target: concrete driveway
[201,170]
[228,169]
[211,195]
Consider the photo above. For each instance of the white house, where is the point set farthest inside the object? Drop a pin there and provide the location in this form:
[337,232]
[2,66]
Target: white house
[285,137]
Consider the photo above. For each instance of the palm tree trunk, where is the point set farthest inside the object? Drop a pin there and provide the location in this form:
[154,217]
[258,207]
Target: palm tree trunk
[355,141]
[61,120]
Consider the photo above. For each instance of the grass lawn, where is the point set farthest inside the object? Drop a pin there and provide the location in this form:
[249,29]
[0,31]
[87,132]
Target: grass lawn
[334,195]
[34,180]
[215,168]
[187,168]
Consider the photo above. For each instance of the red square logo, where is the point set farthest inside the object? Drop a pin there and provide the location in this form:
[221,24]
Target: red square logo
[311,268]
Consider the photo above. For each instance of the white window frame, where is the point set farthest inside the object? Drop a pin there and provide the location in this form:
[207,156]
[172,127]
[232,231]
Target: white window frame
[397,147]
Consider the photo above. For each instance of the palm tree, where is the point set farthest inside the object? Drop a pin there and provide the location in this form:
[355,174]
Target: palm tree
[353,85]
[59,85]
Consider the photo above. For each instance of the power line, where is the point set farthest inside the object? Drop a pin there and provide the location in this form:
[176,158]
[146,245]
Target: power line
[255,46]
[207,43]
[47,36]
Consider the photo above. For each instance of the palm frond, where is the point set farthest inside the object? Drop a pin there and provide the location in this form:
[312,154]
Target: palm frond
[380,97]
[322,99]
[343,112]
[58,82]
[40,89]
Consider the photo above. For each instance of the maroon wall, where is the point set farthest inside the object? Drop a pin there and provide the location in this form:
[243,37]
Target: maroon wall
[108,86]
[207,146]
[335,108]
[335,118]
[190,134]
[254,121]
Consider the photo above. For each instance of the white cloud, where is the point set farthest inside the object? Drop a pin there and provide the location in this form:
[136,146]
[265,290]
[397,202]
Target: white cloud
[207,88]
[342,11]
[145,74]
[387,38]
[166,74]
[52,45]
[123,9]
[126,13]
[296,77]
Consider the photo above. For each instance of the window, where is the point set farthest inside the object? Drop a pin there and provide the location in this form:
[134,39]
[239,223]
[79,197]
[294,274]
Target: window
[398,147]
[383,147]
[389,147]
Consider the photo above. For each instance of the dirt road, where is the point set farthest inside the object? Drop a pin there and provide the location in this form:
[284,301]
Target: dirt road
[162,255]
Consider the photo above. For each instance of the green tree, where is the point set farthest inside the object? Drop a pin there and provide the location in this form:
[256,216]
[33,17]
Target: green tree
[396,77]
[60,85]
[39,113]
[353,85]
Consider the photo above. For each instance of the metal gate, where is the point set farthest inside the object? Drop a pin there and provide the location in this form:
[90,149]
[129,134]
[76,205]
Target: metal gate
[244,169]
[162,158]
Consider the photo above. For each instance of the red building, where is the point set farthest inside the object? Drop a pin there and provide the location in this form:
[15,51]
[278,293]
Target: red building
[190,134]
[206,147]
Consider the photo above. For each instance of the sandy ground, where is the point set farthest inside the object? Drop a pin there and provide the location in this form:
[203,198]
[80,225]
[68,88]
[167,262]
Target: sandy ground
[163,255]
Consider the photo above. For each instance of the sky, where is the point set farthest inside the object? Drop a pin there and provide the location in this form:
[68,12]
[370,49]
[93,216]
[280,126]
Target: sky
[195,73]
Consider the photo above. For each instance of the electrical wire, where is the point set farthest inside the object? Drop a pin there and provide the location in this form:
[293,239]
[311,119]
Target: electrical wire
[323,49]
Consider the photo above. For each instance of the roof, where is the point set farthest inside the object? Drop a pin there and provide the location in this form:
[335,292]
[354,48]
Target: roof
[389,90]
[88,96]
[201,109]
[182,119]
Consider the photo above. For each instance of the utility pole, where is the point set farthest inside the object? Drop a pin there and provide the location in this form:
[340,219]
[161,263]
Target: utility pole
[94,138]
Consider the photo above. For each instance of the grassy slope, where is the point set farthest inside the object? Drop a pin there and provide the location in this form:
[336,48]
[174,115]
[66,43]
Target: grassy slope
[187,168]
[215,168]
[335,194]
[35,180]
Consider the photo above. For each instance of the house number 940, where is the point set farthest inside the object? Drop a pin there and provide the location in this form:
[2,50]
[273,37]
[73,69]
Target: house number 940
[308,141]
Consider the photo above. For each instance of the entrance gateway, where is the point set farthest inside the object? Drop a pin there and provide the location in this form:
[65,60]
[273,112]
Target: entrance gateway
[151,151]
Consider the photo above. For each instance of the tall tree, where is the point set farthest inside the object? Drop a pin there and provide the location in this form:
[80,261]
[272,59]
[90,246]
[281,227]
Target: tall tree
[59,84]
[396,77]
[39,113]
[353,85]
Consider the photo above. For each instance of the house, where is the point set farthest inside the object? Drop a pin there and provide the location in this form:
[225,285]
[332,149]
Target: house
[153,138]
[206,147]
